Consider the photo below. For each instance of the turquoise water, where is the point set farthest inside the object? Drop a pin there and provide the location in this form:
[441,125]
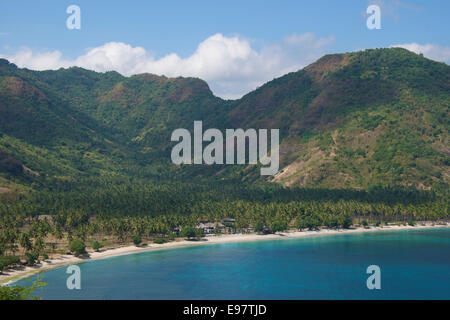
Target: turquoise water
[415,264]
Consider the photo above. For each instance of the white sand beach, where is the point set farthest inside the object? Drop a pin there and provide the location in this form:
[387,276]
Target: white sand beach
[12,275]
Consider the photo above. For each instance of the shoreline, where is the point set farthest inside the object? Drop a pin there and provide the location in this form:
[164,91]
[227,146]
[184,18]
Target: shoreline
[13,275]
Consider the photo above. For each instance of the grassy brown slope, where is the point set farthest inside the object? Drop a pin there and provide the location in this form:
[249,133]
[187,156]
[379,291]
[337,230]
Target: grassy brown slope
[359,119]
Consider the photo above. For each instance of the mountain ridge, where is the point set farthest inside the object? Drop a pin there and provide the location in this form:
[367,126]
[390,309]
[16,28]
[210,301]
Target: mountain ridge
[348,120]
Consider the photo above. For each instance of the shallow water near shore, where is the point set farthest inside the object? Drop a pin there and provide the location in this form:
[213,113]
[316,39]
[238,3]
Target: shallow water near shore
[415,264]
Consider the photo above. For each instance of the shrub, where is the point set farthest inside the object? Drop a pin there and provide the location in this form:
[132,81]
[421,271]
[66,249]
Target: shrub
[300,223]
[137,240]
[171,235]
[21,293]
[6,261]
[278,226]
[258,226]
[104,243]
[312,223]
[78,247]
[345,222]
[159,240]
[188,232]
[31,258]
[96,245]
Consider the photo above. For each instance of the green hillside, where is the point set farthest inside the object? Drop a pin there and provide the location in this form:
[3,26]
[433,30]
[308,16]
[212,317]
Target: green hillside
[86,155]
[355,120]
[73,122]
[358,119]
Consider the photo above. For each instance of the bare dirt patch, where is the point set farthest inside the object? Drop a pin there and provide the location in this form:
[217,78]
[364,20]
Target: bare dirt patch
[4,190]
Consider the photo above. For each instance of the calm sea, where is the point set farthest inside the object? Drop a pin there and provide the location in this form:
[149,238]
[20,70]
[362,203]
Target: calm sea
[415,264]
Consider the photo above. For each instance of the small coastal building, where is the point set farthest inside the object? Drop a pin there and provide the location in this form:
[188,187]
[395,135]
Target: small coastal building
[392,224]
[176,231]
[210,227]
[247,230]
[228,224]
[228,220]
[267,230]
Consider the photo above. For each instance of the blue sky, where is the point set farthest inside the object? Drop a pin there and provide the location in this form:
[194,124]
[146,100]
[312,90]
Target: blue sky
[234,45]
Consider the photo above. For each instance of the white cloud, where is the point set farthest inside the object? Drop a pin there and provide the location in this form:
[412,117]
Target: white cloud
[431,51]
[25,58]
[229,64]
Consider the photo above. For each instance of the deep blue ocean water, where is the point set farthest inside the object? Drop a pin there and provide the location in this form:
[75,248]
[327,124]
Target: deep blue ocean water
[415,264]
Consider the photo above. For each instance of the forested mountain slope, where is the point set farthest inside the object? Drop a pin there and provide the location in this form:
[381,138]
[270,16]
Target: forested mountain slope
[358,119]
[376,117]
[85,156]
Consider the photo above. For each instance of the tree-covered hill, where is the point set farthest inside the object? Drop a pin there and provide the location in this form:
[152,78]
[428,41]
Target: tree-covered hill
[354,120]
[85,156]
